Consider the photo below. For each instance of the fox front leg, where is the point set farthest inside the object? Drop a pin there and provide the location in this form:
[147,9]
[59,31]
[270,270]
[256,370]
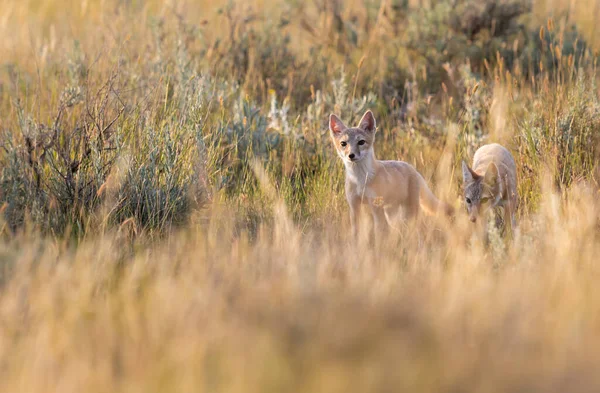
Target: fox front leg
[380,224]
[354,215]
[379,219]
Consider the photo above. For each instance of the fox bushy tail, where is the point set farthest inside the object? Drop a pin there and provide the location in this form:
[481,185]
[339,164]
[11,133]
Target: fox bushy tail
[429,202]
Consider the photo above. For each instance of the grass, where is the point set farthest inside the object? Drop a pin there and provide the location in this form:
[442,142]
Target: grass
[173,215]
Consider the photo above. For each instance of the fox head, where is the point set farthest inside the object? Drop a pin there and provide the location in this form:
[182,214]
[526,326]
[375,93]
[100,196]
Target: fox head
[482,192]
[353,144]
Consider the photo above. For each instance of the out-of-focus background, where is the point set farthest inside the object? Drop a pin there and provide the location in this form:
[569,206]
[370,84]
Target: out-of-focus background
[172,212]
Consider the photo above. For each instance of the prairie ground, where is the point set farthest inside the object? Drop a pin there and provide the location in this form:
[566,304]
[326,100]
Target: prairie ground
[173,215]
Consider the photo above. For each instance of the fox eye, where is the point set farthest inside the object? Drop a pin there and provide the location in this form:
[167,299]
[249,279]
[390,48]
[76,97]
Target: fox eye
[361,142]
[484,200]
[343,144]
[468,201]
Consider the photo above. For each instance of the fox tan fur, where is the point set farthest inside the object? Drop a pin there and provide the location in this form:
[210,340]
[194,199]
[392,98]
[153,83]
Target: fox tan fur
[491,182]
[386,187]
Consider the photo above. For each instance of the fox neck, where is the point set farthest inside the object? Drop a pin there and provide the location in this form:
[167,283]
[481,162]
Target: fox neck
[363,171]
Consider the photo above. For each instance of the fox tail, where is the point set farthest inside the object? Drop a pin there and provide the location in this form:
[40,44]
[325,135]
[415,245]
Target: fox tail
[430,203]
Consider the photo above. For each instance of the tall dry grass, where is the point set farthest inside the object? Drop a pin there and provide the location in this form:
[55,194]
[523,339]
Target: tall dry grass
[173,216]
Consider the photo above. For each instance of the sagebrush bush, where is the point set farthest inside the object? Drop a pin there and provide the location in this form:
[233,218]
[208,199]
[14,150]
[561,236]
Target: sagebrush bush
[565,135]
[452,32]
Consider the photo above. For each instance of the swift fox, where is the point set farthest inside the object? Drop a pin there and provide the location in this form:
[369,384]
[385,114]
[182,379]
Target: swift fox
[385,186]
[491,182]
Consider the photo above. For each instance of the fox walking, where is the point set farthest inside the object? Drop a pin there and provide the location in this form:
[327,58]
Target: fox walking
[490,183]
[384,186]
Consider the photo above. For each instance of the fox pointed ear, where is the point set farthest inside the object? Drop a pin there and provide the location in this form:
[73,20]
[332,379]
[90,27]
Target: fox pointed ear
[492,176]
[467,173]
[367,123]
[335,125]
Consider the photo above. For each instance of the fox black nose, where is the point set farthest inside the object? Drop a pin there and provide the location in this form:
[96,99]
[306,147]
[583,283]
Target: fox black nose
[473,219]
[351,156]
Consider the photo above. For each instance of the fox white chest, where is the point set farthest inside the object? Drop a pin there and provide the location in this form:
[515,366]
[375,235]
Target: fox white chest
[358,177]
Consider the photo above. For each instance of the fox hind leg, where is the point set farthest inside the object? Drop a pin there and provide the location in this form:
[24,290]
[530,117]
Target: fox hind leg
[510,222]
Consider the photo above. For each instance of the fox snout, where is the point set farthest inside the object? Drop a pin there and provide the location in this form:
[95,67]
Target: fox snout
[354,155]
[473,212]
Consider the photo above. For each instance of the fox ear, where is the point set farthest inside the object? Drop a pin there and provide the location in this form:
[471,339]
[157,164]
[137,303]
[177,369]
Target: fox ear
[335,125]
[467,173]
[492,176]
[367,123]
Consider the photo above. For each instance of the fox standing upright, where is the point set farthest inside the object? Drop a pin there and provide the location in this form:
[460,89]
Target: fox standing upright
[385,186]
[491,182]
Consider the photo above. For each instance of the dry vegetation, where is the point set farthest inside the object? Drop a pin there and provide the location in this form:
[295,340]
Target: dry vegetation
[173,217]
